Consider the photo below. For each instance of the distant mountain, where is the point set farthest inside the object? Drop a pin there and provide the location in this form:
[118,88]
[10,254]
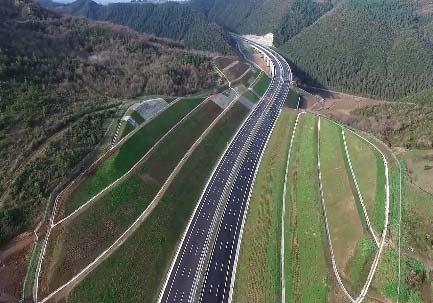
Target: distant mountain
[170,20]
[60,80]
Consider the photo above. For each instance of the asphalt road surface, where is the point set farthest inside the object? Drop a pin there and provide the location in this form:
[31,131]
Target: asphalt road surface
[228,189]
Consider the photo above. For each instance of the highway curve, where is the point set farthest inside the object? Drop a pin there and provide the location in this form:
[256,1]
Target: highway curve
[228,190]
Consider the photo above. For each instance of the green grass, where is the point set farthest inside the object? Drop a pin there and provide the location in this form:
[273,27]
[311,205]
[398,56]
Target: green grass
[137,117]
[92,232]
[361,262]
[129,153]
[307,272]
[258,274]
[127,128]
[262,85]
[362,153]
[418,220]
[416,215]
[386,280]
[379,214]
[292,99]
[135,272]
[345,224]
[251,96]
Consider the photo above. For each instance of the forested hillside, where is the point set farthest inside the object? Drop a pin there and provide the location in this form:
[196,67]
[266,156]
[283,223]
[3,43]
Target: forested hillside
[61,82]
[301,14]
[170,20]
[369,47]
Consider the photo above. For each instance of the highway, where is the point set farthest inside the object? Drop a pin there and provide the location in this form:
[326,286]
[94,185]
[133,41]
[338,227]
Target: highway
[219,217]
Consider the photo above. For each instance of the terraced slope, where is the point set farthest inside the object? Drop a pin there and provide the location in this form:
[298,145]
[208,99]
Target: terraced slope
[136,271]
[91,232]
[129,153]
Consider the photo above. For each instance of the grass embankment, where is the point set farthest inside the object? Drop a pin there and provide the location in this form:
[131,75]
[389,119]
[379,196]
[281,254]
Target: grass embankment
[420,167]
[418,220]
[125,129]
[258,274]
[93,231]
[306,268]
[129,153]
[293,99]
[137,117]
[135,272]
[344,221]
[415,226]
[251,96]
[262,85]
[364,165]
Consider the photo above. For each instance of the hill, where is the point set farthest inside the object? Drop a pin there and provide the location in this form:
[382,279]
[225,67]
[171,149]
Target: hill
[62,80]
[171,20]
[373,48]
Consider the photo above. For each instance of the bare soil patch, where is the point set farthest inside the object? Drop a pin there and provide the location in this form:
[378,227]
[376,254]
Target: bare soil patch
[14,258]
[236,71]
[336,104]
[223,62]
